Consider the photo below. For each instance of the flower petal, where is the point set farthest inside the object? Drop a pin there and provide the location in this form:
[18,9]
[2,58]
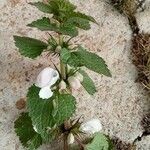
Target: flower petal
[91,126]
[45,93]
[70,139]
[47,77]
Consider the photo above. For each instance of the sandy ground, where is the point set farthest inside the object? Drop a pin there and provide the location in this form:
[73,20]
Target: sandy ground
[119,103]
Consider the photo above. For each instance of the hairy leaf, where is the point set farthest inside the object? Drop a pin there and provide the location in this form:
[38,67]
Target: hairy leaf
[42,7]
[45,24]
[87,83]
[92,61]
[81,57]
[29,47]
[27,135]
[79,22]
[83,16]
[42,111]
[100,142]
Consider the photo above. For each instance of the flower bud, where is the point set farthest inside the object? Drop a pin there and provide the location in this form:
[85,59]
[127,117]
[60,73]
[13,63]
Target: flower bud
[58,49]
[70,139]
[74,83]
[91,126]
[62,85]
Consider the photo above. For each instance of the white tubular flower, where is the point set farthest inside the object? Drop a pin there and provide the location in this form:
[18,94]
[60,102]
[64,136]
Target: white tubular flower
[74,82]
[91,126]
[62,85]
[70,139]
[46,78]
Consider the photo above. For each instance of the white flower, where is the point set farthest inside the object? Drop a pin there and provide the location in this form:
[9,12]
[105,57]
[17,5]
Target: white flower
[74,82]
[46,78]
[91,126]
[70,139]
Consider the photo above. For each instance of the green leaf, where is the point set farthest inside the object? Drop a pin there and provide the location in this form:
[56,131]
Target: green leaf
[79,22]
[42,7]
[70,58]
[81,57]
[68,29]
[92,62]
[29,47]
[83,16]
[45,24]
[42,112]
[100,142]
[87,83]
[27,135]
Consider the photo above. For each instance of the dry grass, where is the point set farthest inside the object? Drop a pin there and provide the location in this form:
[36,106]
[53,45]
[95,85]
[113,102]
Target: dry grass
[141,58]
[120,145]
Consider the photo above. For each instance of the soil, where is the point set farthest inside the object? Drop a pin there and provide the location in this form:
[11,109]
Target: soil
[120,102]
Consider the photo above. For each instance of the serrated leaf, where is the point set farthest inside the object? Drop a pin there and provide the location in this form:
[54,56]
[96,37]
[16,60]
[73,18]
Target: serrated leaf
[29,47]
[92,62]
[83,16]
[42,7]
[27,135]
[45,24]
[81,57]
[87,83]
[100,142]
[42,111]
[79,22]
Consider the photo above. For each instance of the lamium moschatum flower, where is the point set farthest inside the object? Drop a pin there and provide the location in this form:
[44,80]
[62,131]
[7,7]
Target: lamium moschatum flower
[75,81]
[46,78]
[91,127]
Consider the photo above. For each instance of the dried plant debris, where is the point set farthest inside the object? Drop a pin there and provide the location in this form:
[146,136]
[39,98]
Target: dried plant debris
[21,104]
[146,124]
[120,145]
[141,58]
[128,7]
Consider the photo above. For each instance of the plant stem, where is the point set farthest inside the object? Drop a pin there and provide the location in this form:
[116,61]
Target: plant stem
[82,146]
[62,65]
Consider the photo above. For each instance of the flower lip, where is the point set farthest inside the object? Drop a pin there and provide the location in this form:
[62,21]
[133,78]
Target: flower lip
[91,127]
[46,78]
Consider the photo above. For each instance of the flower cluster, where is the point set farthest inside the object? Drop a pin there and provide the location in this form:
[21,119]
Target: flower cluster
[47,79]
[90,127]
